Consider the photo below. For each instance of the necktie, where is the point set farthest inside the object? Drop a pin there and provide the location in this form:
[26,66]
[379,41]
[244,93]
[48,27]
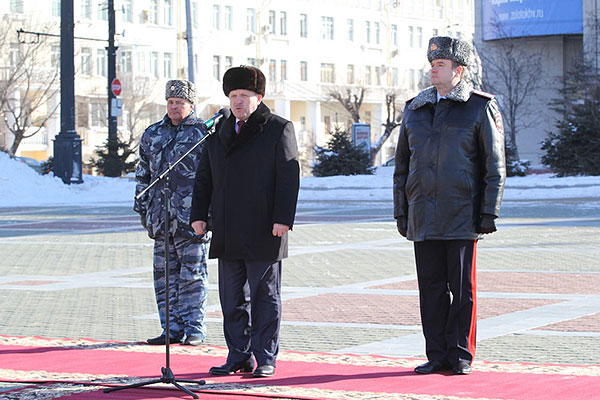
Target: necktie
[239,124]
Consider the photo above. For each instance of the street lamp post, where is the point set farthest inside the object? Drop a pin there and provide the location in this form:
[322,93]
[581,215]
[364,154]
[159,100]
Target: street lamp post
[67,144]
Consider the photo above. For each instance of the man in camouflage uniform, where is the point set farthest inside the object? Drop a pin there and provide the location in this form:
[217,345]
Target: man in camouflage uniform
[162,144]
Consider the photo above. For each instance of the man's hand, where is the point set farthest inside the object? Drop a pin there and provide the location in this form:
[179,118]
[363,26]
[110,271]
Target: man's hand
[199,227]
[279,229]
[486,223]
[401,224]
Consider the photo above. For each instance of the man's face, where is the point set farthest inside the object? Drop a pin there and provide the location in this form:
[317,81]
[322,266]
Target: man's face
[442,73]
[178,109]
[243,103]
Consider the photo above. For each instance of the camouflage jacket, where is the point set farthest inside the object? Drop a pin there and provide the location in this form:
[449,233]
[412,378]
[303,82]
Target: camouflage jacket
[161,145]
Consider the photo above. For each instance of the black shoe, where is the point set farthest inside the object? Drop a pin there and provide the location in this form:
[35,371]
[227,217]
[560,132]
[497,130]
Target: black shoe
[232,368]
[161,340]
[431,367]
[462,368]
[193,340]
[264,371]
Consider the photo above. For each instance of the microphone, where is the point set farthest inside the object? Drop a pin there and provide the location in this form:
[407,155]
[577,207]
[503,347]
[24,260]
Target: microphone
[223,112]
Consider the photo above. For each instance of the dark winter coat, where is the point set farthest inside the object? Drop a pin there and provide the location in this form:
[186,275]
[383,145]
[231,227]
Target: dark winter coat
[249,181]
[163,144]
[449,164]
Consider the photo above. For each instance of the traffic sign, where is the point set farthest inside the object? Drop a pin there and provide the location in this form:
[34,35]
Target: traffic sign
[115,87]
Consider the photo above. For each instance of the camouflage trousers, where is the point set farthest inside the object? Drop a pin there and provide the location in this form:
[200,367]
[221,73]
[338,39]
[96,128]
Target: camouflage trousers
[188,285]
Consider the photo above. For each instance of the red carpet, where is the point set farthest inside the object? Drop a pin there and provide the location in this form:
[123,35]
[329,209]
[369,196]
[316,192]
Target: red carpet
[57,363]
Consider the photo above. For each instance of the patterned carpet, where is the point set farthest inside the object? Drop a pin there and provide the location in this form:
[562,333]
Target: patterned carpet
[39,368]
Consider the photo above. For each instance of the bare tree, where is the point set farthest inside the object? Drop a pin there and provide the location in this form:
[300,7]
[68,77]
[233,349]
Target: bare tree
[512,73]
[350,97]
[138,99]
[29,84]
[392,121]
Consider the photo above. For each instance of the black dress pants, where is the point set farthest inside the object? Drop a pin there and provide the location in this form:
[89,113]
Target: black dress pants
[446,273]
[250,295]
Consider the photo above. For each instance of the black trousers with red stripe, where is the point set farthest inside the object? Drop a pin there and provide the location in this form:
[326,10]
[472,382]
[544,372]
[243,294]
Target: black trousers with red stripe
[447,296]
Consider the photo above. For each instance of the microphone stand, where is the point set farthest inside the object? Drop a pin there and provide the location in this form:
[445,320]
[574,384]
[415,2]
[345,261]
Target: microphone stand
[167,374]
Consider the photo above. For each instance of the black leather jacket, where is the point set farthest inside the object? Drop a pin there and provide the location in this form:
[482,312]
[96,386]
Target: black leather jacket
[449,165]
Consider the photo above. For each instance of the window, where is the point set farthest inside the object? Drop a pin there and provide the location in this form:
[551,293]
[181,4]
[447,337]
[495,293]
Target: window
[167,10]
[303,71]
[303,25]
[283,23]
[101,62]
[228,62]
[154,64]
[56,8]
[125,62]
[102,10]
[394,76]
[252,61]
[272,70]
[350,75]
[434,32]
[217,67]
[411,36]
[167,65]
[16,6]
[55,55]
[283,68]
[86,61]
[378,76]
[368,77]
[141,62]
[127,11]
[99,114]
[15,54]
[216,16]
[327,73]
[228,18]
[272,22]
[412,82]
[251,20]
[376,26]
[395,35]
[420,36]
[351,30]
[86,9]
[195,15]
[154,11]
[327,28]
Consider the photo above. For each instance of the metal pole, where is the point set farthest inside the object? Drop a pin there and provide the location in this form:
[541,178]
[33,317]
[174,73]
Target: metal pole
[112,74]
[67,144]
[190,48]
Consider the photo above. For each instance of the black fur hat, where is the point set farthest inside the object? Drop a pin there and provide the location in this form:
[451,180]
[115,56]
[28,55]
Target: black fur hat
[449,48]
[244,77]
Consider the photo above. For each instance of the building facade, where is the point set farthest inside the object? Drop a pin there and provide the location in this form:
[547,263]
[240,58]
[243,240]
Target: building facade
[306,49]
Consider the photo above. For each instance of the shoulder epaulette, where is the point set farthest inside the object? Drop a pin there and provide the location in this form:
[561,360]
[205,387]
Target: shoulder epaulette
[483,94]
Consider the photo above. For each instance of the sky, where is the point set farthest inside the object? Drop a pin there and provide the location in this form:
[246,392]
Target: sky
[22,186]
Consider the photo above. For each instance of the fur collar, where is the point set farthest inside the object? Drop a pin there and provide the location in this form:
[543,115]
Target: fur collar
[460,93]
[251,129]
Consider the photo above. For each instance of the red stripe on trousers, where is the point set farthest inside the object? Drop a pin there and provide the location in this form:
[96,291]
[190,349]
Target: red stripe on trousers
[473,328]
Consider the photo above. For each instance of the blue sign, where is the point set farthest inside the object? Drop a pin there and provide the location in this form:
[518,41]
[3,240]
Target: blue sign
[518,18]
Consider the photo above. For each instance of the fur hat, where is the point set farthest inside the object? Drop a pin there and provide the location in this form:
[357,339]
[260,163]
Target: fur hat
[182,89]
[244,77]
[449,48]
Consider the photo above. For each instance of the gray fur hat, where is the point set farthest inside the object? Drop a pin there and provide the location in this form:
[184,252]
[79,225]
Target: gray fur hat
[182,89]
[449,48]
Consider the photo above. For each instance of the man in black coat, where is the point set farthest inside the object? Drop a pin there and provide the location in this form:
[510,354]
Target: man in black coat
[248,179]
[448,183]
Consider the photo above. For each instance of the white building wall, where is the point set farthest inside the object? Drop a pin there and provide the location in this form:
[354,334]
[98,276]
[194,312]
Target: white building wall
[305,102]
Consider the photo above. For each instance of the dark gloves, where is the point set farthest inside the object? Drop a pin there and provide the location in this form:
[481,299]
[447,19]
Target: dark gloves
[486,223]
[143,219]
[401,225]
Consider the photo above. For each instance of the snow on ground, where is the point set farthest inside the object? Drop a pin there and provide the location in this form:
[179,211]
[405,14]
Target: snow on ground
[22,186]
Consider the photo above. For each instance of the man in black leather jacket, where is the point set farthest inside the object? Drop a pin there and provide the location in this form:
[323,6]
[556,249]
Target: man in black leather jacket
[448,184]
